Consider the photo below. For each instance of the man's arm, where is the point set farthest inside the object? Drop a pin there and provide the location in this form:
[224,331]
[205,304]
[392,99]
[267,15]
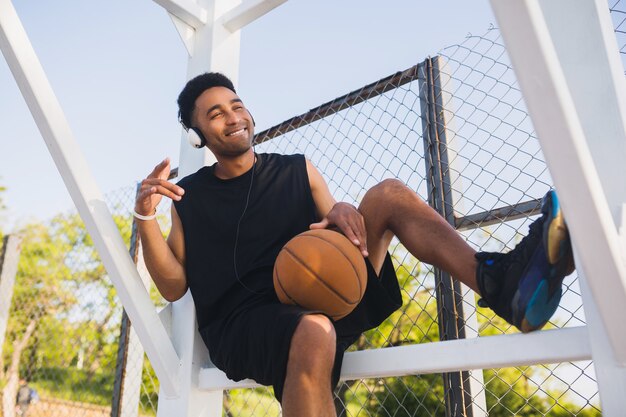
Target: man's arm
[165,260]
[343,215]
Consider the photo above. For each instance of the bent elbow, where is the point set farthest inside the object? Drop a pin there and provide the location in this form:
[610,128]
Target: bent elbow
[171,298]
[172,295]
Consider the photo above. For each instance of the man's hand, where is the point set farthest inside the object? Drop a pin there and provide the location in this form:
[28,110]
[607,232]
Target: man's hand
[154,187]
[348,219]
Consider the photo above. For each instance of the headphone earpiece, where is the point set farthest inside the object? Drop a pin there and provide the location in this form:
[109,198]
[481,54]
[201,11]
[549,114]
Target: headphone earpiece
[196,138]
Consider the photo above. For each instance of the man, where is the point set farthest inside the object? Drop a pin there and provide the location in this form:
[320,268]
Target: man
[230,220]
[25,396]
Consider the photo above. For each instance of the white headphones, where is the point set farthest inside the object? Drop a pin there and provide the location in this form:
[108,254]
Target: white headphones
[195,137]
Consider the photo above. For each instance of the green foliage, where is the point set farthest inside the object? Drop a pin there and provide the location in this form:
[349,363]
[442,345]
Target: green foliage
[248,403]
[63,293]
[72,384]
[509,392]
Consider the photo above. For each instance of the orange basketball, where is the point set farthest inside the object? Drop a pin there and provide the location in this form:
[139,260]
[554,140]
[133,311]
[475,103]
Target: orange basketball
[321,270]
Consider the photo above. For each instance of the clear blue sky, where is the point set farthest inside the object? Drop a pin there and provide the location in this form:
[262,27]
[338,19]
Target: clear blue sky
[117,67]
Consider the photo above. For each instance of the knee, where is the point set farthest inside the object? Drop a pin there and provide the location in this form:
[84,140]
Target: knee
[390,190]
[313,344]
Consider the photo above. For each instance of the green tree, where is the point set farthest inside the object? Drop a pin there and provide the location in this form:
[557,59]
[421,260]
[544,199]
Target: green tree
[64,318]
[413,323]
[509,391]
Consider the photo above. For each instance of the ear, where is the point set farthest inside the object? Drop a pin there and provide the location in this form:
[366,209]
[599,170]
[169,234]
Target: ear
[196,138]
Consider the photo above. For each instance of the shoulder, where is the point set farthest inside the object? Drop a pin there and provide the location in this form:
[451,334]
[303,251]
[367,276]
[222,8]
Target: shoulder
[275,159]
[194,178]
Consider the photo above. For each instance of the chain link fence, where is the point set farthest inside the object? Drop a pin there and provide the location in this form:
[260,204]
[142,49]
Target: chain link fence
[455,130]
[457,120]
[62,331]
[618,16]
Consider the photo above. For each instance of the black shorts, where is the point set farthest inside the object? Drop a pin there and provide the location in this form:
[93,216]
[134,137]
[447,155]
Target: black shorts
[253,341]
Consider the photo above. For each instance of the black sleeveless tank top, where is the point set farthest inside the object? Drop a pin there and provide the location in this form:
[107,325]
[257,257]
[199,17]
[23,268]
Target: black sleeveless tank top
[281,206]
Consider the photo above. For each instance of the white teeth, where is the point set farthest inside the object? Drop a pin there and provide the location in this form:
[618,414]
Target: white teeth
[238,132]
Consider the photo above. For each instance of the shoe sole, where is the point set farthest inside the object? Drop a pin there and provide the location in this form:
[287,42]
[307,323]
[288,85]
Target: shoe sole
[556,238]
[547,270]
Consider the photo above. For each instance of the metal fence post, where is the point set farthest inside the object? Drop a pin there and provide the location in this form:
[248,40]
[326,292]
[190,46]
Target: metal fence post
[129,363]
[449,292]
[9,258]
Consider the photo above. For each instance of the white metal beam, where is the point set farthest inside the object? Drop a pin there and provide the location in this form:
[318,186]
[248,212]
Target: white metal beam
[185,32]
[214,48]
[611,378]
[567,128]
[186,10]
[544,347]
[9,259]
[54,128]
[211,47]
[180,318]
[247,12]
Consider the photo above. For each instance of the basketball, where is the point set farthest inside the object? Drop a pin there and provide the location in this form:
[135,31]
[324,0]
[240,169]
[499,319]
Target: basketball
[321,270]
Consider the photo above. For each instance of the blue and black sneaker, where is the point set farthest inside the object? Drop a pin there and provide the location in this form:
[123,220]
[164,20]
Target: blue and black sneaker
[523,286]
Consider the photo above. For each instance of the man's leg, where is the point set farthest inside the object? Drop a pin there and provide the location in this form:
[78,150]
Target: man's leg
[391,208]
[307,390]
[522,286]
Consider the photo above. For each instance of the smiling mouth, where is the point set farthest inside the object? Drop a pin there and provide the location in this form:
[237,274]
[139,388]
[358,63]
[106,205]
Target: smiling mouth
[237,132]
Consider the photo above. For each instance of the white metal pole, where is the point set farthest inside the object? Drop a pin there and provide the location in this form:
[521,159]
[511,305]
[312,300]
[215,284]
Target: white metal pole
[9,259]
[610,376]
[573,84]
[211,47]
[247,12]
[567,132]
[548,346]
[50,120]
[131,383]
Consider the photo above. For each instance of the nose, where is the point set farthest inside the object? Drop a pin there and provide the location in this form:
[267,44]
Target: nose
[232,117]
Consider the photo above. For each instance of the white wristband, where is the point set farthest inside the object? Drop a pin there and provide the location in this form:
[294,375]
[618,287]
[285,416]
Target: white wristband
[142,217]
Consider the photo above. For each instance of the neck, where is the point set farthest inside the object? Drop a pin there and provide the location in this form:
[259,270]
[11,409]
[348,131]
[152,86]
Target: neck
[231,167]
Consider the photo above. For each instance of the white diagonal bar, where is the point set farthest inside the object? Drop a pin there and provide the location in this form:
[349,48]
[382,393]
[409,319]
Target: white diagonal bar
[186,10]
[247,12]
[55,130]
[9,259]
[567,149]
[544,347]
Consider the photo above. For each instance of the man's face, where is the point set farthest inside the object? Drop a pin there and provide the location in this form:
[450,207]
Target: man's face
[224,121]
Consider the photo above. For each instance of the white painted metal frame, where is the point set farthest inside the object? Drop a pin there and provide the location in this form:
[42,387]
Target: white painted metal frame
[550,346]
[50,120]
[566,59]
[213,46]
[8,269]
[591,194]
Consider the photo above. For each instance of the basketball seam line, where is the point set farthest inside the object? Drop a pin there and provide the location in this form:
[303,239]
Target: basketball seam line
[320,279]
[284,290]
[345,256]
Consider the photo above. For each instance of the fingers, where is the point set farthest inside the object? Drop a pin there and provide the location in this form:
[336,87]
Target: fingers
[151,191]
[154,187]
[162,187]
[320,225]
[354,229]
[162,170]
[350,222]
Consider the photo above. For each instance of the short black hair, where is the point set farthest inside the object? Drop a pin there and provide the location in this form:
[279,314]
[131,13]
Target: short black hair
[194,88]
